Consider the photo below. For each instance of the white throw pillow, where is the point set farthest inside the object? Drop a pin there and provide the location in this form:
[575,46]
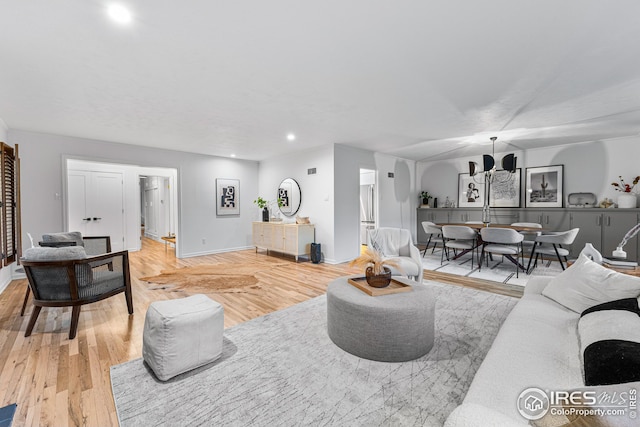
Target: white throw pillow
[587,283]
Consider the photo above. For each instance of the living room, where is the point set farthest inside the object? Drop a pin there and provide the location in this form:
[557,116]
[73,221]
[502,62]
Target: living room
[553,93]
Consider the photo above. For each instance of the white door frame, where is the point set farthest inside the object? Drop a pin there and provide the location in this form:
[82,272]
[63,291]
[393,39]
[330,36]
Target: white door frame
[131,171]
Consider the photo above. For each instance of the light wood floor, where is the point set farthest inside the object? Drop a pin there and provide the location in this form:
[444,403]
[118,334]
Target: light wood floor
[58,382]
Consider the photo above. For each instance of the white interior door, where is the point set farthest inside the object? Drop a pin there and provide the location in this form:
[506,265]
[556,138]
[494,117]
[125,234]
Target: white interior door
[78,188]
[107,208]
[96,205]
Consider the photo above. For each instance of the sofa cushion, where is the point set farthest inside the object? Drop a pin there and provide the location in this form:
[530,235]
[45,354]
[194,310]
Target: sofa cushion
[610,342]
[587,283]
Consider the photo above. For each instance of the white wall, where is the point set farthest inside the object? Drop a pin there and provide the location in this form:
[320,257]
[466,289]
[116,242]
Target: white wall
[316,190]
[588,167]
[42,182]
[396,204]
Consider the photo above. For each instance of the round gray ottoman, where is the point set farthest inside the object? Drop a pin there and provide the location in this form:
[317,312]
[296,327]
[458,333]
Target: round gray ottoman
[387,328]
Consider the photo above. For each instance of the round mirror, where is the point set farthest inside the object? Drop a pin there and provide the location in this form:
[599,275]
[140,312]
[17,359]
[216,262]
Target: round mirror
[290,197]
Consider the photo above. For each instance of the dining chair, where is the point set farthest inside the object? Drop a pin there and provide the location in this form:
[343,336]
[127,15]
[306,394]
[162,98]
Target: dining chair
[551,244]
[431,230]
[459,237]
[529,236]
[502,241]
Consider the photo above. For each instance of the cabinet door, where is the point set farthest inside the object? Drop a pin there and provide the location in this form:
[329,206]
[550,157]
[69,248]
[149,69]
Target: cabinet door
[258,239]
[277,237]
[464,215]
[615,226]
[291,240]
[504,216]
[556,220]
[590,224]
[440,216]
[533,215]
[267,235]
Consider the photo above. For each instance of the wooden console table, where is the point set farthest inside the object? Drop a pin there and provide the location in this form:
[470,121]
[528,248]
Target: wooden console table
[292,239]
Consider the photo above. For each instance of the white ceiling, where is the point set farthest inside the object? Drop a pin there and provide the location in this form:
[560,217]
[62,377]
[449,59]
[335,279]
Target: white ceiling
[418,79]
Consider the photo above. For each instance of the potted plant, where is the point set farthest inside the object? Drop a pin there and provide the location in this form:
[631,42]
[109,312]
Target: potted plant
[263,204]
[377,273]
[628,197]
[425,196]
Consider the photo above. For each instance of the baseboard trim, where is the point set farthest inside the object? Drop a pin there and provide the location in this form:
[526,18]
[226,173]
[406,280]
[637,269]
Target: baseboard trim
[216,251]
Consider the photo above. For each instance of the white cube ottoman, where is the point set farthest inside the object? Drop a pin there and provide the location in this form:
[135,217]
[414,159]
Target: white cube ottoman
[182,334]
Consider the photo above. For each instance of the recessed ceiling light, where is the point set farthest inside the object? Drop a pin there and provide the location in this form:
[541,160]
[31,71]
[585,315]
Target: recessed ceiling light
[233,155]
[291,137]
[119,14]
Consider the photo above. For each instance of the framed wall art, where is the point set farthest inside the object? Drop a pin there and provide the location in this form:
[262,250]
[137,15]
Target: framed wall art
[227,196]
[505,189]
[545,187]
[470,191]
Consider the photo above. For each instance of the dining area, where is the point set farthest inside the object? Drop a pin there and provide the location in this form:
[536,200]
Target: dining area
[478,246]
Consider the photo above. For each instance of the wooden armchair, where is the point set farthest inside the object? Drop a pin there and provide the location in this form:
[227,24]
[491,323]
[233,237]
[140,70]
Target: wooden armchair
[93,245]
[75,282]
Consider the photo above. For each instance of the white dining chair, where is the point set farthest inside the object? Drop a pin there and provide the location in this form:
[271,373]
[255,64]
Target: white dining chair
[459,237]
[432,230]
[529,236]
[551,244]
[502,241]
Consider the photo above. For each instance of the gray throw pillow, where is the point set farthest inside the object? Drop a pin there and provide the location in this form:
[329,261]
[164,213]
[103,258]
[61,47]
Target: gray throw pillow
[71,236]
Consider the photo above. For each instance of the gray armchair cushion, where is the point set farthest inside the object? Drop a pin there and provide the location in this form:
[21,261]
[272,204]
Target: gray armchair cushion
[71,236]
[54,254]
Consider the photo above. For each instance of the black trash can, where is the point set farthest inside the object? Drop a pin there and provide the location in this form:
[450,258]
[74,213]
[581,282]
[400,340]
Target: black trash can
[316,253]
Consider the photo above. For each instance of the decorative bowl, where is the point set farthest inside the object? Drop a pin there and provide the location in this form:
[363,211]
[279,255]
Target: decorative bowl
[302,220]
[378,280]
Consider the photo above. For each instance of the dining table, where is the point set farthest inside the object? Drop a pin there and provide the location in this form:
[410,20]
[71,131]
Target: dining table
[478,226]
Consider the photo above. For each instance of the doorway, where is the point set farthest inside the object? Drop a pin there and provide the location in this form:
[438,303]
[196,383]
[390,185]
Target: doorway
[155,203]
[368,203]
[106,199]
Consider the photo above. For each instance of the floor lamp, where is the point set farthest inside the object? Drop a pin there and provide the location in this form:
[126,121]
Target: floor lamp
[489,164]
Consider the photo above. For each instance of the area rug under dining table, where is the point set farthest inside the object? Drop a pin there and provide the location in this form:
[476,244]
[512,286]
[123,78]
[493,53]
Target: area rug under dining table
[283,370]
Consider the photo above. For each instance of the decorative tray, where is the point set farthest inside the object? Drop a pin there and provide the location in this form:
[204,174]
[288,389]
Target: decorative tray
[394,287]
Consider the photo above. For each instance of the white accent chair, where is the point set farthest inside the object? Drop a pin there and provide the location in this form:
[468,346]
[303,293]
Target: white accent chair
[502,241]
[431,230]
[459,237]
[551,244]
[396,244]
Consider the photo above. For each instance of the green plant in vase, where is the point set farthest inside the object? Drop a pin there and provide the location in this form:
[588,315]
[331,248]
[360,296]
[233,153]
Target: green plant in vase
[263,204]
[425,196]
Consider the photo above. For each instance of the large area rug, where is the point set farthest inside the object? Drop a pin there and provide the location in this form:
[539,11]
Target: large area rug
[499,270]
[283,370]
[213,278]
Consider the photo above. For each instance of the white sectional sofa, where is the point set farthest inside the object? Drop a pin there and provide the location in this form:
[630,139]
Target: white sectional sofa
[537,346]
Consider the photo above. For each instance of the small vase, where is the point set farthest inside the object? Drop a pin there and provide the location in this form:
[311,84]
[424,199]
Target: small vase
[378,280]
[592,253]
[265,215]
[627,201]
